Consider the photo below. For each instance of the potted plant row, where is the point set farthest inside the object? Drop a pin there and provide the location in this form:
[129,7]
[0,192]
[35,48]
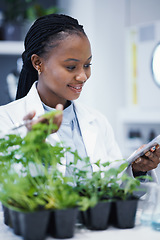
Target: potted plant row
[18,15]
[108,196]
[41,201]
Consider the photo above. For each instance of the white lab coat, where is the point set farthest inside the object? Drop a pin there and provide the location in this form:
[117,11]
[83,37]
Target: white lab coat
[96,131]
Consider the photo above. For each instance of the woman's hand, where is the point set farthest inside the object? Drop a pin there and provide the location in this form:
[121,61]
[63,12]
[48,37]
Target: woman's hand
[148,161]
[57,119]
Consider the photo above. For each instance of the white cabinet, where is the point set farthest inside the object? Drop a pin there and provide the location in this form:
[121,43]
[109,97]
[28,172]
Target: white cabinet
[134,120]
[139,120]
[11,47]
[136,127]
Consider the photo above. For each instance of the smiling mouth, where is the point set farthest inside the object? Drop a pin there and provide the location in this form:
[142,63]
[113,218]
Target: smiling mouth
[76,89]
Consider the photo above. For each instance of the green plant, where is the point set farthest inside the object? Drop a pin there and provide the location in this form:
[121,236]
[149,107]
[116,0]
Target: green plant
[20,193]
[32,147]
[21,10]
[60,193]
[106,184]
[30,178]
[50,190]
[130,186]
[36,10]
[95,186]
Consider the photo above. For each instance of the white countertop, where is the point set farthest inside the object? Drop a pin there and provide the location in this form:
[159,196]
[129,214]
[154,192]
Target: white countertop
[139,232]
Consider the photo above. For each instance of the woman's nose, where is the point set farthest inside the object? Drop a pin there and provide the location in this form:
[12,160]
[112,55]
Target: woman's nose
[82,76]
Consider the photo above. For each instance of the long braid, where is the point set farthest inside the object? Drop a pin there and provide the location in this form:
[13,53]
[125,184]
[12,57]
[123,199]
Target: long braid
[43,32]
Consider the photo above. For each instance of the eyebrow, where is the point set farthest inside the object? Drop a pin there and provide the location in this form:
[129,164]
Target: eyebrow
[76,60]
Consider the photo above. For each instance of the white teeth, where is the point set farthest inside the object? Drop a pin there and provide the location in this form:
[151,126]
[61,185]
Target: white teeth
[77,88]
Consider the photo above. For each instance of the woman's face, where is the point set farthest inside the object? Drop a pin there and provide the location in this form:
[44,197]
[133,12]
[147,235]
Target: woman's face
[65,70]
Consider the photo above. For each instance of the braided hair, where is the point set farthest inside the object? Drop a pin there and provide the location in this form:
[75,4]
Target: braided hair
[46,32]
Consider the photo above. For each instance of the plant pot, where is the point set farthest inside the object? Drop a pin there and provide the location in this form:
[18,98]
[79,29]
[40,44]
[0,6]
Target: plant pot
[6,216]
[96,218]
[12,31]
[124,212]
[80,218]
[62,223]
[33,225]
[14,215]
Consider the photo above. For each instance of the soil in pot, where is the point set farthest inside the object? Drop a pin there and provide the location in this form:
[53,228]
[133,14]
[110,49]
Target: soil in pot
[124,213]
[96,218]
[62,223]
[34,225]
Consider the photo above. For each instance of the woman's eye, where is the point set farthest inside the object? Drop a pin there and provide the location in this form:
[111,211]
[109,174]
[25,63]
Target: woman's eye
[87,65]
[71,67]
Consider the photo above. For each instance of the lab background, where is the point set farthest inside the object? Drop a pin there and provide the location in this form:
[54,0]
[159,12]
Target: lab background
[123,36]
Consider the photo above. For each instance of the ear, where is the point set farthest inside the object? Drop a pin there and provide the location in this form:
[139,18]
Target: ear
[36,62]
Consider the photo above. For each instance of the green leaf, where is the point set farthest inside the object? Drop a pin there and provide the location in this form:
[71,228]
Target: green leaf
[122,167]
[98,163]
[106,164]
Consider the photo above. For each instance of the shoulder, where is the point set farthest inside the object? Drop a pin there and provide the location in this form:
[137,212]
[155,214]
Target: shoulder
[18,108]
[14,112]
[11,113]
[12,106]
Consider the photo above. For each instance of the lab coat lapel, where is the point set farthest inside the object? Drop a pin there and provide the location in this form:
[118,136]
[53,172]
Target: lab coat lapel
[88,129]
[33,102]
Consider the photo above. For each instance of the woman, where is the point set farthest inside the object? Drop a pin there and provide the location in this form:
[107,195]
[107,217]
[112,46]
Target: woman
[58,55]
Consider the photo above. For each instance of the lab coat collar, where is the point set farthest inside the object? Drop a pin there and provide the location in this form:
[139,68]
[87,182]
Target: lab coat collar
[34,102]
[88,129]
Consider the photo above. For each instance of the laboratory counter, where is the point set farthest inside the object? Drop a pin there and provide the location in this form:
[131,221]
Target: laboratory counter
[137,233]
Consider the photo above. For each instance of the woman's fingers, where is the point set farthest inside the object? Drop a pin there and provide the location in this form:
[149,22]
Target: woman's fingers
[57,119]
[142,164]
[30,115]
[148,161]
[59,107]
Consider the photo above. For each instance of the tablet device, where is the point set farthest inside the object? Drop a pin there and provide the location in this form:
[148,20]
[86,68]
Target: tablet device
[143,150]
